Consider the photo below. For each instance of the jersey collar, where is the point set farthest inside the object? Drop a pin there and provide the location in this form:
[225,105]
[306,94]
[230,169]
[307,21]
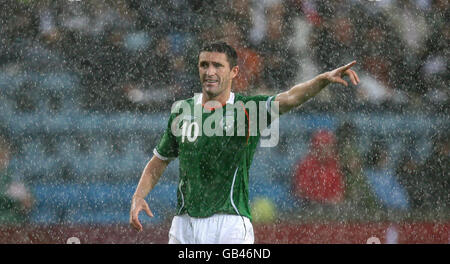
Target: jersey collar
[229,101]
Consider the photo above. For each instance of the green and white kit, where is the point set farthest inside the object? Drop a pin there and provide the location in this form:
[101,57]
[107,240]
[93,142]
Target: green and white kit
[214,169]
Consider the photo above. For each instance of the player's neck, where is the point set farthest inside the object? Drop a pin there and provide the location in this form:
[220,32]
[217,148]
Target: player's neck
[222,98]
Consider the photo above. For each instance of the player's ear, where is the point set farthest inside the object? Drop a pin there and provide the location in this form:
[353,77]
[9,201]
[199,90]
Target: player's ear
[234,71]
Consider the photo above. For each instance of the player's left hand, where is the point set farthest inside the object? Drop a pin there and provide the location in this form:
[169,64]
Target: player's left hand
[336,75]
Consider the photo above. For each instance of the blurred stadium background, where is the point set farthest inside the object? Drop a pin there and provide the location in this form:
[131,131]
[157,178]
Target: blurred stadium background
[86,89]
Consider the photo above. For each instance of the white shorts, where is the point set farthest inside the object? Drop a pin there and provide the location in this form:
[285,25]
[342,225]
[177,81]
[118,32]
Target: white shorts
[217,229]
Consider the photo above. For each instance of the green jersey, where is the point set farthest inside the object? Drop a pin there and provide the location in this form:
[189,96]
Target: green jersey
[213,168]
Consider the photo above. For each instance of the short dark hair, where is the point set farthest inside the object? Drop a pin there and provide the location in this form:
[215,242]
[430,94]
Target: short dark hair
[222,47]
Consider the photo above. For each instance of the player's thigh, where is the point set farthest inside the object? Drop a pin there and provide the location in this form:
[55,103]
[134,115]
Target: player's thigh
[180,231]
[236,230]
[173,240]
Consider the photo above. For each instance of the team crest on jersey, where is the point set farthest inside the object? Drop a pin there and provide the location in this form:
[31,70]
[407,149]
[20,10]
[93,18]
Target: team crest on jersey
[227,123]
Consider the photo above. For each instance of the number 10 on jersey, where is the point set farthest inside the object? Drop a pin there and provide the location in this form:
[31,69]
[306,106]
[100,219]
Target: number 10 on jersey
[190,131]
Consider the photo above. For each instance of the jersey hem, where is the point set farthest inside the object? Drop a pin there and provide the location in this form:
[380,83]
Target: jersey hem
[183,212]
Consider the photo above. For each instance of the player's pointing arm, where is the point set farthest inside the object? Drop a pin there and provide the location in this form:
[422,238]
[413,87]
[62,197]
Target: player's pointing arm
[150,176]
[302,92]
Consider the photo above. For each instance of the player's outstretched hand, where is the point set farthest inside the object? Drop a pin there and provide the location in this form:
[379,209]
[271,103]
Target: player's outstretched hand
[336,75]
[138,204]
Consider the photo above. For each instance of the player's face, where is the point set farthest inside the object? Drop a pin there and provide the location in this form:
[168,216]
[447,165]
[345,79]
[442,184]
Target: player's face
[215,73]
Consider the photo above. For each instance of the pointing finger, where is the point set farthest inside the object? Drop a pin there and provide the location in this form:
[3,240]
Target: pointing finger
[348,66]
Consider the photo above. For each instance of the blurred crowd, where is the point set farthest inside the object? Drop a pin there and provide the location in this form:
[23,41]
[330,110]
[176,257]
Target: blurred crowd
[334,172]
[141,55]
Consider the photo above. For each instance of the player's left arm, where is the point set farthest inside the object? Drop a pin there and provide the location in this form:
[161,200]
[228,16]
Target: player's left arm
[302,92]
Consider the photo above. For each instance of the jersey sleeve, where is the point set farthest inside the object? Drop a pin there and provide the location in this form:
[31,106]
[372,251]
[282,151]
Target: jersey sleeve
[265,106]
[167,148]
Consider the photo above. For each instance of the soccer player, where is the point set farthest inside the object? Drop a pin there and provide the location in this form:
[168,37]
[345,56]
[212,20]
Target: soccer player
[212,196]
